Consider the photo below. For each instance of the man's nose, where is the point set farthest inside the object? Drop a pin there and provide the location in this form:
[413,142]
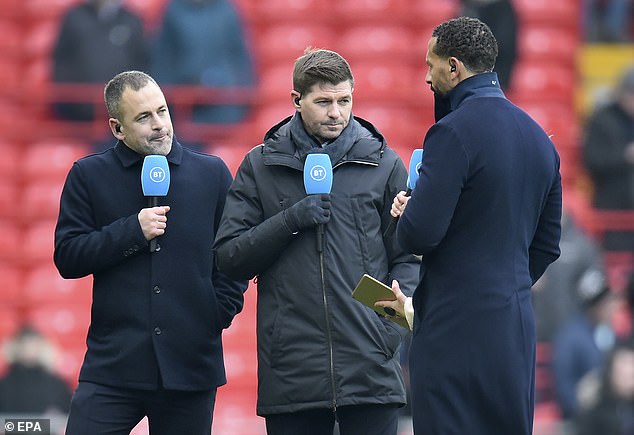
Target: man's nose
[157,122]
[334,111]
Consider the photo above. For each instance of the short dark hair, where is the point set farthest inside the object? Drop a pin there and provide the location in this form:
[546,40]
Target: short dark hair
[117,85]
[317,65]
[469,40]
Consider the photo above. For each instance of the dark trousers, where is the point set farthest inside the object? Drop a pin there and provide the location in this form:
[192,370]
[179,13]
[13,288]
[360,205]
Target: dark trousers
[353,420]
[100,409]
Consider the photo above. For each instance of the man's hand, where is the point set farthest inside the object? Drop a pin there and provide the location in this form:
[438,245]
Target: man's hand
[398,305]
[309,212]
[398,206]
[153,221]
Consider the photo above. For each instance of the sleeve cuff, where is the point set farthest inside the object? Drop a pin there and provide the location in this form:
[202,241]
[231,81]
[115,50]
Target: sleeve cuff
[409,312]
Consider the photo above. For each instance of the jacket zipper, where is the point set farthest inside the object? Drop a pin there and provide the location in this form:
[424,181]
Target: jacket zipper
[328,330]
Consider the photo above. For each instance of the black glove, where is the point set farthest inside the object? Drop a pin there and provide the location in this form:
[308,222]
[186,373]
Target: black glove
[309,212]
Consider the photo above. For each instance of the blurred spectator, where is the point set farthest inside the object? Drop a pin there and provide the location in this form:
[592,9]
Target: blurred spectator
[584,340]
[555,293]
[608,404]
[202,42]
[608,155]
[30,386]
[501,18]
[607,20]
[97,39]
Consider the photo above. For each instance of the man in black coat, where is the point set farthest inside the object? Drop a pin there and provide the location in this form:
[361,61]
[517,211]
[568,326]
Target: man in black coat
[321,355]
[485,215]
[154,343]
[96,40]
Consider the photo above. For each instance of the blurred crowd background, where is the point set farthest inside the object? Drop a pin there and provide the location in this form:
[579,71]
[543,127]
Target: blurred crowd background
[226,68]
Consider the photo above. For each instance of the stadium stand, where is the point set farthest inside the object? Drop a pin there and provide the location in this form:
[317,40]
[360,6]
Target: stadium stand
[556,80]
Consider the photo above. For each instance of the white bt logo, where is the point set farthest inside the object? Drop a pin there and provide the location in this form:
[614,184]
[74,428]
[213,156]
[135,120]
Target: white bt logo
[318,173]
[157,174]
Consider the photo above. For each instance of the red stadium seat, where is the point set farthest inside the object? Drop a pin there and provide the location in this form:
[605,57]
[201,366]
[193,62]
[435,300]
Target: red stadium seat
[366,11]
[284,11]
[12,37]
[543,82]
[40,38]
[10,75]
[11,160]
[11,116]
[276,83]
[9,195]
[235,411]
[381,44]
[150,11]
[430,13]
[381,81]
[51,160]
[10,321]
[37,73]
[560,121]
[11,240]
[267,117]
[43,285]
[399,126]
[11,277]
[563,13]
[280,45]
[539,43]
[37,242]
[68,361]
[12,8]
[40,199]
[65,324]
[557,119]
[47,8]
[231,154]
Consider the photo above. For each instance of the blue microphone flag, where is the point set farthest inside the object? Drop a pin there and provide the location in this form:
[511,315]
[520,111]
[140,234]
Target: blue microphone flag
[317,174]
[414,168]
[155,176]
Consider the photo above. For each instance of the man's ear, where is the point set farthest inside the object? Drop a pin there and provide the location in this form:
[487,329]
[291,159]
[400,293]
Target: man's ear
[296,97]
[116,128]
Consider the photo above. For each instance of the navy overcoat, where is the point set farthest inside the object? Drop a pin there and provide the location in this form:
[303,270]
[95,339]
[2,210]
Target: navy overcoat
[485,215]
[153,314]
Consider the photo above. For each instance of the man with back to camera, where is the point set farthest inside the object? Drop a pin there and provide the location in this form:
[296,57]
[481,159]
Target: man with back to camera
[485,215]
[154,343]
[321,355]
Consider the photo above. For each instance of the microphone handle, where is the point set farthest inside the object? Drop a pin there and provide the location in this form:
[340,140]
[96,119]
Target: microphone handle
[392,225]
[320,238]
[153,202]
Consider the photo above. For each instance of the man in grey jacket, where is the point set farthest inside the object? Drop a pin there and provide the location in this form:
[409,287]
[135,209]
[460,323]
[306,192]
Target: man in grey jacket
[322,356]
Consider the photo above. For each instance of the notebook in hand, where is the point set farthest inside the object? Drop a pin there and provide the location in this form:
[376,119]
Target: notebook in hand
[370,290]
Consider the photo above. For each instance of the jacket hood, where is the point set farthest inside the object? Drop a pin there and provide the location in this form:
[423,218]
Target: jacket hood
[290,138]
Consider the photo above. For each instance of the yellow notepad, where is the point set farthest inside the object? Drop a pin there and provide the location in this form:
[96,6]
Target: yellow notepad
[370,290]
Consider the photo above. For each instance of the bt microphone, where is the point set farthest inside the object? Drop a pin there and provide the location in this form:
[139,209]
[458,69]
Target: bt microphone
[414,167]
[155,182]
[414,170]
[318,180]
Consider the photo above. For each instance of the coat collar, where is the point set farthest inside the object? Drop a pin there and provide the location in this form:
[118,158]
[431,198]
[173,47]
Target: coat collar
[479,85]
[129,157]
[289,143]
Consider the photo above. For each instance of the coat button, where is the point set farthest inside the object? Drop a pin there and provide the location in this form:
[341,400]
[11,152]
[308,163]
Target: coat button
[157,331]
[157,289]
